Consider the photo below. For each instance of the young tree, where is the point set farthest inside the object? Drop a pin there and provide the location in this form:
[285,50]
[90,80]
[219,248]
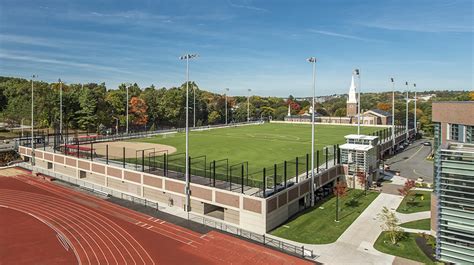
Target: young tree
[340,190]
[362,180]
[405,190]
[390,225]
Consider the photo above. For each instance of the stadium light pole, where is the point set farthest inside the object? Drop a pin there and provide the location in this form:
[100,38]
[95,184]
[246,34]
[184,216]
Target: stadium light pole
[126,86]
[416,99]
[312,60]
[60,110]
[248,105]
[32,124]
[357,74]
[194,106]
[406,122]
[226,90]
[393,113]
[187,57]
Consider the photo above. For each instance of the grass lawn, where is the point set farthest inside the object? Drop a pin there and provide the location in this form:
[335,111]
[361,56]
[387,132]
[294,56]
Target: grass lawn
[417,201]
[317,225]
[424,224]
[261,145]
[406,248]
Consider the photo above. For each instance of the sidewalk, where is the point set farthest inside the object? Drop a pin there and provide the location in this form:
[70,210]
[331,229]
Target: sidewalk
[355,245]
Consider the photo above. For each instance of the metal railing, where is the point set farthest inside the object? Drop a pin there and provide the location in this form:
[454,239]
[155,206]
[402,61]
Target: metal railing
[299,251]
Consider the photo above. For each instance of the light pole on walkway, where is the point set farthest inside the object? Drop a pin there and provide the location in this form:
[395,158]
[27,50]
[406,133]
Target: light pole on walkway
[187,57]
[312,60]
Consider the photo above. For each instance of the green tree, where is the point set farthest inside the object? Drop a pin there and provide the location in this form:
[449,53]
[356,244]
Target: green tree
[86,117]
[214,117]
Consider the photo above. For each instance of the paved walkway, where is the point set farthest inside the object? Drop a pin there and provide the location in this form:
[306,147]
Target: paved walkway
[355,245]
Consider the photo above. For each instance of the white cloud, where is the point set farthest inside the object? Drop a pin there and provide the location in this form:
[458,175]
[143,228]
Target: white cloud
[339,35]
[249,7]
[85,66]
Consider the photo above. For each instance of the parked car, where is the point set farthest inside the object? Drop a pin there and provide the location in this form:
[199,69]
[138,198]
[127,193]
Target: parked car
[427,143]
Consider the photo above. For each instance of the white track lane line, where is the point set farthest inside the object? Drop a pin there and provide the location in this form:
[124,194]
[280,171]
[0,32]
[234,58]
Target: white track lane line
[91,222]
[53,228]
[47,215]
[106,227]
[38,208]
[66,194]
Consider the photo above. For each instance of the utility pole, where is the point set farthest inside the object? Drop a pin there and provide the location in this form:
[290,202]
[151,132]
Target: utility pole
[248,105]
[186,191]
[406,122]
[312,60]
[226,90]
[32,124]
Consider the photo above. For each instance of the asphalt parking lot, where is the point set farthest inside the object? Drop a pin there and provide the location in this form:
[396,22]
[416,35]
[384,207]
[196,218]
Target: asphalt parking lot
[412,162]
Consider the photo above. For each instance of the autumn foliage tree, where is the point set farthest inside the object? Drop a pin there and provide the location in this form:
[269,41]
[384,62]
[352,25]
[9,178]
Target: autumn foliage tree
[405,190]
[340,190]
[384,106]
[362,180]
[293,105]
[138,110]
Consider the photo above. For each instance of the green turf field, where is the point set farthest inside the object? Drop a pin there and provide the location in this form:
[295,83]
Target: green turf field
[261,145]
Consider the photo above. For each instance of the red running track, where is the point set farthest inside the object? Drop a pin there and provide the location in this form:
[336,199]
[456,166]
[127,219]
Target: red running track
[44,223]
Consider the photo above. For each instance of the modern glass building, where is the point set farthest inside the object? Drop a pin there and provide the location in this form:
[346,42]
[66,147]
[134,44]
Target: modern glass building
[453,204]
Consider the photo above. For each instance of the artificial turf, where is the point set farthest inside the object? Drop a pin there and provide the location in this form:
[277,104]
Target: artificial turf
[260,145]
[317,225]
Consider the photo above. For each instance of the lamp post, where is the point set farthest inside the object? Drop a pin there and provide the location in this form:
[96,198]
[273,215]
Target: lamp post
[416,99]
[248,105]
[116,124]
[226,90]
[21,125]
[356,73]
[312,60]
[393,114]
[406,118]
[60,110]
[32,124]
[187,57]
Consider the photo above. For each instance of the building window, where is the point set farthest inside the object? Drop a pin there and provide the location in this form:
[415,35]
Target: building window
[50,165]
[454,132]
[470,134]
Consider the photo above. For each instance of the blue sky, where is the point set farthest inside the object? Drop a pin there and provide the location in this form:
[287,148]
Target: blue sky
[261,45]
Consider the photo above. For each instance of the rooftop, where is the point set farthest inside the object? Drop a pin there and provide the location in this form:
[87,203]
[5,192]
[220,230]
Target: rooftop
[360,137]
[459,147]
[356,147]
